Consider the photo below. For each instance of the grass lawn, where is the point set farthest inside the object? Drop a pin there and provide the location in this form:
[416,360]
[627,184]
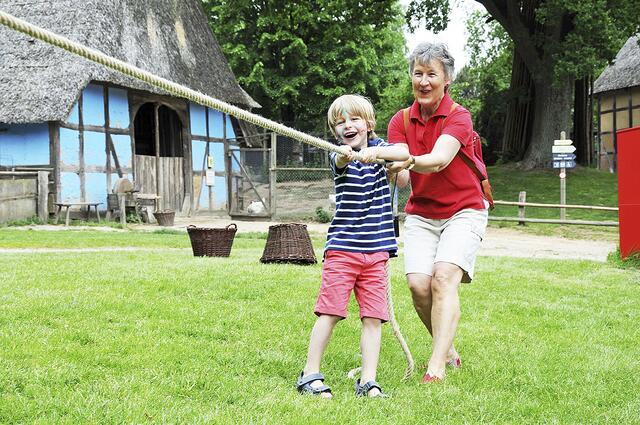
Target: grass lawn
[585,186]
[158,336]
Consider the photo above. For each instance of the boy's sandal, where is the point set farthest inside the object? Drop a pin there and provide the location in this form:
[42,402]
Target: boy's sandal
[363,390]
[303,384]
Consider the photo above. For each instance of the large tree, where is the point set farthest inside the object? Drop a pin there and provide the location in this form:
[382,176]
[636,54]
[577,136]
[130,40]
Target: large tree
[295,57]
[566,41]
[483,84]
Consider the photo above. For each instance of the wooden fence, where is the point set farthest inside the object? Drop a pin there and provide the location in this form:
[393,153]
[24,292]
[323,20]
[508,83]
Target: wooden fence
[24,194]
[522,204]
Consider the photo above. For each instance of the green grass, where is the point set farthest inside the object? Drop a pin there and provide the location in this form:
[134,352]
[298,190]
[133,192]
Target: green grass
[631,262]
[159,336]
[585,186]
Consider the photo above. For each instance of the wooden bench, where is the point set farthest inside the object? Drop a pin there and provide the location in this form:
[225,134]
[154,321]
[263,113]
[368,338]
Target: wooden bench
[67,205]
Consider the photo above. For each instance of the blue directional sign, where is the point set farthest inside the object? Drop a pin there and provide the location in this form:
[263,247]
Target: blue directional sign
[564,156]
[564,164]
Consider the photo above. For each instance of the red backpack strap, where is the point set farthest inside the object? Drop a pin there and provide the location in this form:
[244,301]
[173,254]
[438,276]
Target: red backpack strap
[484,180]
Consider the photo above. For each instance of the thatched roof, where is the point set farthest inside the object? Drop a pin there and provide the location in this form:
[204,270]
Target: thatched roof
[625,70]
[170,38]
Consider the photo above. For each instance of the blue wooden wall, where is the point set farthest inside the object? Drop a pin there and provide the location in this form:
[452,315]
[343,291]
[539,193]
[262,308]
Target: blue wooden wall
[198,116]
[95,145]
[24,144]
[29,145]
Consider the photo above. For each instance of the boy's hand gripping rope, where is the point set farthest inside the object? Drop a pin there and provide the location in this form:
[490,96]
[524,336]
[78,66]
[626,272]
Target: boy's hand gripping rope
[94,55]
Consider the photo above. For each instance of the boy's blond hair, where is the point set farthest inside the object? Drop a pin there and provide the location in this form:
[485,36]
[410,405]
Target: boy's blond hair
[352,104]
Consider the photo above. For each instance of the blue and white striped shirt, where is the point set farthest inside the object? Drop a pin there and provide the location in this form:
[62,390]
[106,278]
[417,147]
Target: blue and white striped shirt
[364,220]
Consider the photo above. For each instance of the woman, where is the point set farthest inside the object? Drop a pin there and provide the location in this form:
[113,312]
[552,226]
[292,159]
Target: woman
[446,212]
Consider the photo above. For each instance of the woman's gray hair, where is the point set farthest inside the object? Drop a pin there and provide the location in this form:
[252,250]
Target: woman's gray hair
[425,52]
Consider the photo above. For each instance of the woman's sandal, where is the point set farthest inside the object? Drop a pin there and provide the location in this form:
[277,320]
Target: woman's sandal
[303,384]
[363,390]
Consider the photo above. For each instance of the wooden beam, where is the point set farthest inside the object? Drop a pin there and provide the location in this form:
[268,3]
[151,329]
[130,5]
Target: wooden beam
[95,128]
[43,196]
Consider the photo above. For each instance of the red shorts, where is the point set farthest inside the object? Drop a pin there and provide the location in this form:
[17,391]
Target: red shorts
[361,272]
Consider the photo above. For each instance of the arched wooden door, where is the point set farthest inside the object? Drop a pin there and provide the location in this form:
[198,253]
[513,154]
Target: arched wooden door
[159,156]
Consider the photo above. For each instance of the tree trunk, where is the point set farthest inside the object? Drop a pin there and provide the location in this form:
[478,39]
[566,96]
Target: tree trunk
[518,120]
[582,117]
[552,114]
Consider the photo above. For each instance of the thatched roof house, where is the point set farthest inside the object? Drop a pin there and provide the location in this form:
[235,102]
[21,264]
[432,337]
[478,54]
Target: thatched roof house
[617,90]
[624,72]
[39,82]
[91,126]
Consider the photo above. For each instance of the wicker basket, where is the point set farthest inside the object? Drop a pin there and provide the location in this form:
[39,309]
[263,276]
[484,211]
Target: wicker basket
[288,243]
[212,242]
[165,218]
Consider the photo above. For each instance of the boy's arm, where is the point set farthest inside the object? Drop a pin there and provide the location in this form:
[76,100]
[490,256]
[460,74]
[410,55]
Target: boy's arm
[441,155]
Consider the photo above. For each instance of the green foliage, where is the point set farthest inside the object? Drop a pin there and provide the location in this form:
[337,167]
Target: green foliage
[592,33]
[483,85]
[134,218]
[322,216]
[295,57]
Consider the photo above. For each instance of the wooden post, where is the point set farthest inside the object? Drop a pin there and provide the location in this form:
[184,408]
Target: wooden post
[563,185]
[522,197]
[205,180]
[43,196]
[123,208]
[81,164]
[272,174]
[159,185]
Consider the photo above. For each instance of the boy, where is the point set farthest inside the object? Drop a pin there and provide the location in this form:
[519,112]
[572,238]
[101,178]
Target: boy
[359,242]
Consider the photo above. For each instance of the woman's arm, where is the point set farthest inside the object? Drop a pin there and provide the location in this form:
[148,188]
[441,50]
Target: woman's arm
[443,152]
[397,152]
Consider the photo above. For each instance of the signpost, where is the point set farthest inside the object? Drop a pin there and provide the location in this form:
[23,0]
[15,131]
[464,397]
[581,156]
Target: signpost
[563,158]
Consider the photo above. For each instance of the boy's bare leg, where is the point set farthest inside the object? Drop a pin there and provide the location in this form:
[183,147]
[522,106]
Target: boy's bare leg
[320,335]
[370,349]
[445,313]
[420,287]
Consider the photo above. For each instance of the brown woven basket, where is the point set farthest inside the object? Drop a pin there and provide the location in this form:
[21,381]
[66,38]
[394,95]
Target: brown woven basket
[212,242]
[165,218]
[288,243]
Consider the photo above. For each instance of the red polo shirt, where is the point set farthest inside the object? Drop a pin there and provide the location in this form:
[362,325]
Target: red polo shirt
[439,195]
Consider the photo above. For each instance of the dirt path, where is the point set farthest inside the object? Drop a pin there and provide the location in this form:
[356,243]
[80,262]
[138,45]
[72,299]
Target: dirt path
[498,241]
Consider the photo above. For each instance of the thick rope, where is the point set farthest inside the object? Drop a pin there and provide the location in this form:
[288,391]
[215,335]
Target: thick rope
[93,55]
[396,331]
[396,328]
